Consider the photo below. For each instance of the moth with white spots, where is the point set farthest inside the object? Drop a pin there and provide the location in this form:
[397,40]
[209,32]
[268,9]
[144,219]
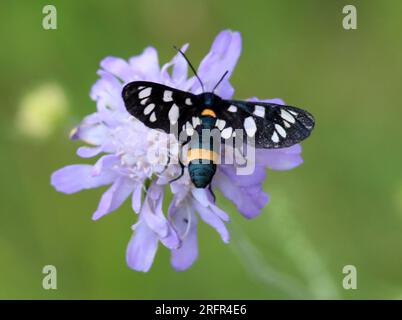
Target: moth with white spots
[267,125]
[271,125]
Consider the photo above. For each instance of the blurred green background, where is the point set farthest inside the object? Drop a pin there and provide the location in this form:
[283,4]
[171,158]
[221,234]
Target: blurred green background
[343,206]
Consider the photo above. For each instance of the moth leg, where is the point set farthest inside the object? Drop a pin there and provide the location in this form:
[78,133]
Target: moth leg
[212,192]
[169,158]
[181,174]
[181,164]
[166,165]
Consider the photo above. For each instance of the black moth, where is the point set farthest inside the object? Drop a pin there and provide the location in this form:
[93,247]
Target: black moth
[162,107]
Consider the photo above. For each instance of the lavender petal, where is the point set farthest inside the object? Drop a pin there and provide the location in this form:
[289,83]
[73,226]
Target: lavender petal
[75,178]
[114,197]
[142,248]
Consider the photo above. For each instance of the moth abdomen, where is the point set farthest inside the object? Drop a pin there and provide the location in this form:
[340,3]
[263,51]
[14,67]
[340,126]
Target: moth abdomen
[201,156]
[201,174]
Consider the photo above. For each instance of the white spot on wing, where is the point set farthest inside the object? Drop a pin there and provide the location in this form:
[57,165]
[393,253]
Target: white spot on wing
[144,101]
[144,93]
[232,108]
[226,133]
[249,125]
[280,130]
[196,121]
[167,96]
[287,116]
[259,111]
[152,118]
[149,108]
[275,137]
[220,124]
[188,102]
[189,129]
[287,124]
[293,112]
[173,114]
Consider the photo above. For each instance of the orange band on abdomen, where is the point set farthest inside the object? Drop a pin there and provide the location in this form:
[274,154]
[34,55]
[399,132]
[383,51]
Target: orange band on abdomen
[202,154]
[208,112]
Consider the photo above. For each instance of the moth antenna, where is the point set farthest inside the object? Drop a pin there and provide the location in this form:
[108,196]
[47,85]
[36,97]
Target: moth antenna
[191,66]
[220,80]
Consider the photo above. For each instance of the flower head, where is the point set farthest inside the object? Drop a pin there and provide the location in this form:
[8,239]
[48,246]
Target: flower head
[132,158]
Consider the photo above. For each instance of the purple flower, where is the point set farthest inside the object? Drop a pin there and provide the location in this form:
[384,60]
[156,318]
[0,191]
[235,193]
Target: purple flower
[124,145]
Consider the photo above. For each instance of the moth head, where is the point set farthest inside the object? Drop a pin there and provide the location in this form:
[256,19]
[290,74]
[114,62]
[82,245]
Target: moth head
[208,99]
